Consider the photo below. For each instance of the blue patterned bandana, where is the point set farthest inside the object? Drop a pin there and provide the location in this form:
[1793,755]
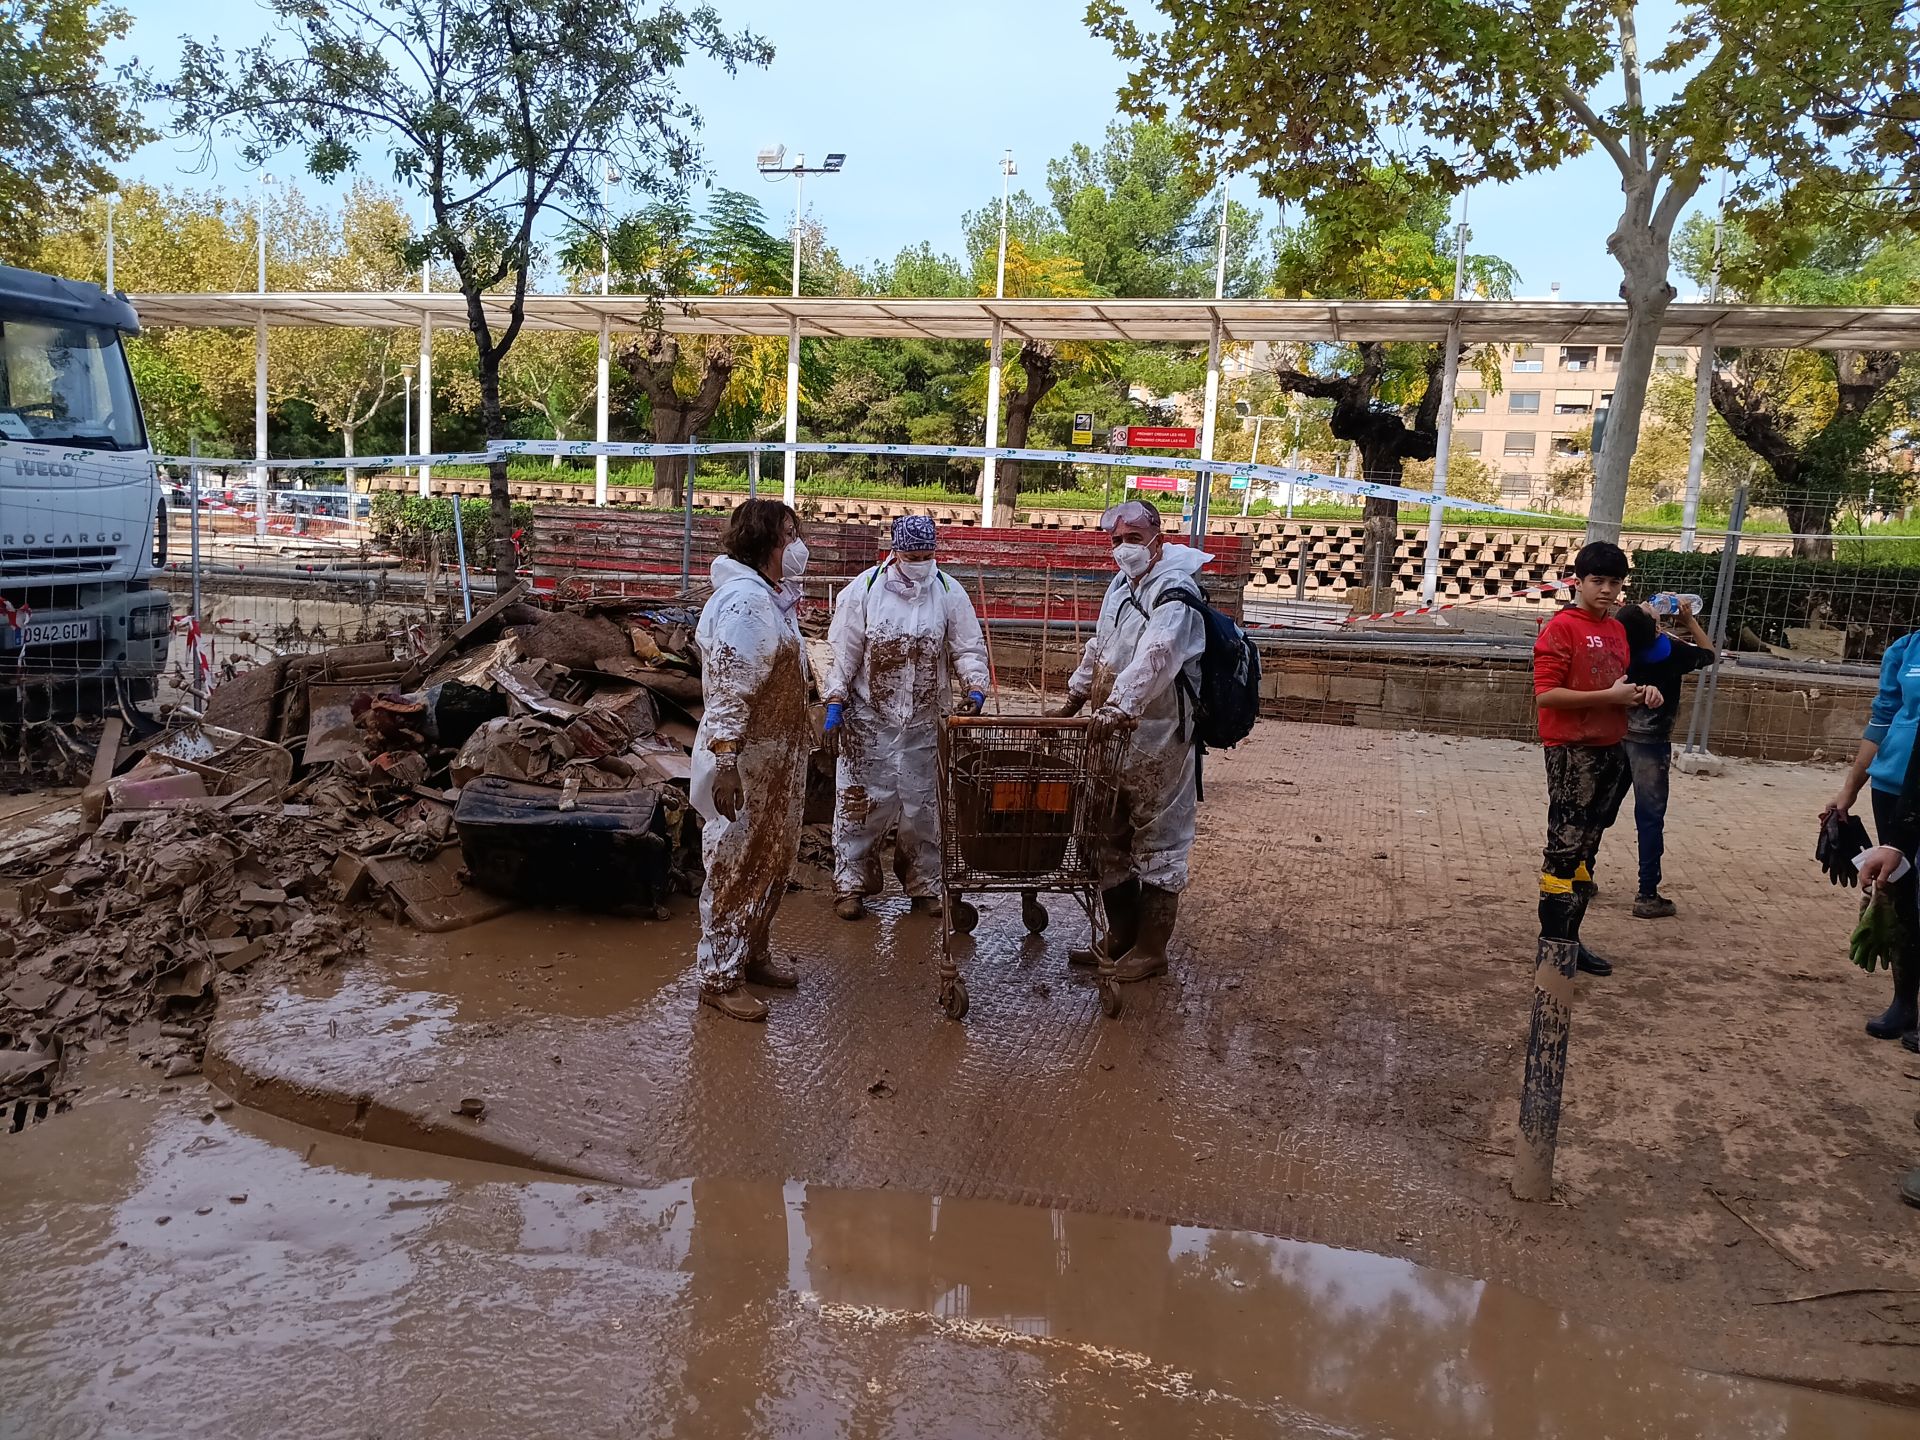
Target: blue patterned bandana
[913,532]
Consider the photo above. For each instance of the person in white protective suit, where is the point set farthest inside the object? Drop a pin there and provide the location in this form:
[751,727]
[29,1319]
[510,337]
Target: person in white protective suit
[1131,673]
[750,755]
[900,630]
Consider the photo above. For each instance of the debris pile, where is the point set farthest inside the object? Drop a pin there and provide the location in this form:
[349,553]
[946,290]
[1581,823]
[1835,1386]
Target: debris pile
[536,755]
[143,922]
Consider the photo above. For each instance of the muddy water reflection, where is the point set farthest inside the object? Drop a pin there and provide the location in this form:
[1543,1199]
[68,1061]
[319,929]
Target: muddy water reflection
[355,1291]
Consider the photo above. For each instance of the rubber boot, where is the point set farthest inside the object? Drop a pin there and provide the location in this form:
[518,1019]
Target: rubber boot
[1588,963]
[771,973]
[1901,1016]
[735,1002]
[849,907]
[926,905]
[1122,904]
[1158,910]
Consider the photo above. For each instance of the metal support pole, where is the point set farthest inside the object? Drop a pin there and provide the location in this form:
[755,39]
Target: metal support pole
[686,524]
[600,410]
[193,564]
[260,426]
[110,198]
[989,470]
[1697,449]
[753,474]
[1449,379]
[789,485]
[406,415]
[426,387]
[460,549]
[1246,496]
[1203,484]
[1546,1070]
[1700,724]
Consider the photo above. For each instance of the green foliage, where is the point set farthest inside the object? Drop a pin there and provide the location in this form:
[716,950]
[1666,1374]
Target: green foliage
[64,115]
[1876,601]
[407,523]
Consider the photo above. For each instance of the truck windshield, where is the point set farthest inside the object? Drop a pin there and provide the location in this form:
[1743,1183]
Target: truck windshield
[66,384]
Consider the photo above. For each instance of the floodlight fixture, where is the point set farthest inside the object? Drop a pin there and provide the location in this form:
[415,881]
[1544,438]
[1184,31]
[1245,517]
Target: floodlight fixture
[773,157]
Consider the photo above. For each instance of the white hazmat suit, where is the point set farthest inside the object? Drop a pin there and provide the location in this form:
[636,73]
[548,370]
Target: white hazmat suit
[1137,650]
[754,671]
[895,643]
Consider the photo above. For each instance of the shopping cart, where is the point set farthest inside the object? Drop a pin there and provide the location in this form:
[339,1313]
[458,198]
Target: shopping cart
[1024,804]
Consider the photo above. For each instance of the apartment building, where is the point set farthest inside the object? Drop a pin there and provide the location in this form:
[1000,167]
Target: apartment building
[1542,413]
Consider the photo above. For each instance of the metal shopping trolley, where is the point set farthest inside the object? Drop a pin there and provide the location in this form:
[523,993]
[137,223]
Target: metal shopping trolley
[1024,804]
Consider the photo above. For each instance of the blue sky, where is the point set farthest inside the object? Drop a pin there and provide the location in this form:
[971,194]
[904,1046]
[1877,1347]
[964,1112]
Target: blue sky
[923,99]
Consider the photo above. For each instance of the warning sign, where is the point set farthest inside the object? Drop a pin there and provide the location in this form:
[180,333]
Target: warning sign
[1172,484]
[1083,428]
[1159,437]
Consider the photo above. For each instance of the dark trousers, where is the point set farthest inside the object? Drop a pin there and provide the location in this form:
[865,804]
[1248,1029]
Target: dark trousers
[1585,785]
[1906,892]
[1650,762]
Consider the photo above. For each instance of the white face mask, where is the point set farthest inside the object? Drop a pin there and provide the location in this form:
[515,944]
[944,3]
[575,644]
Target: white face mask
[793,560]
[917,570]
[1133,560]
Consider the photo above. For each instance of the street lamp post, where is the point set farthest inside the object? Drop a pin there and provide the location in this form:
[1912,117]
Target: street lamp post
[988,471]
[772,162]
[111,197]
[610,177]
[1244,411]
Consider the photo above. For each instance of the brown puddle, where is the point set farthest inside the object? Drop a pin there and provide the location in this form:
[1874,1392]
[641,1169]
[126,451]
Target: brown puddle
[240,1276]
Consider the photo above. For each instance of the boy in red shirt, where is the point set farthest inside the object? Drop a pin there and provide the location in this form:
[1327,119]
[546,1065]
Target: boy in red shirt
[1580,683]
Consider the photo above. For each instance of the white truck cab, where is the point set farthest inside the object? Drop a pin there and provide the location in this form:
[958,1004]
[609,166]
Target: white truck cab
[83,526]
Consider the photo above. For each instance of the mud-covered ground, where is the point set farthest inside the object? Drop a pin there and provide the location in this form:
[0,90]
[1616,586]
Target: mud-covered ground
[1334,1058]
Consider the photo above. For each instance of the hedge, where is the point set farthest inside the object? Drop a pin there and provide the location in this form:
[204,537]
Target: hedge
[404,524]
[1875,604]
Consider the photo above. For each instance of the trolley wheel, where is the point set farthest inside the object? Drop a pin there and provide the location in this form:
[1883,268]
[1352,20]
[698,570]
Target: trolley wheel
[965,917]
[1110,998]
[953,998]
[1033,912]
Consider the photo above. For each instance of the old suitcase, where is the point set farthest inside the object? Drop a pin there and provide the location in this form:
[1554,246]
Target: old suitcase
[608,852]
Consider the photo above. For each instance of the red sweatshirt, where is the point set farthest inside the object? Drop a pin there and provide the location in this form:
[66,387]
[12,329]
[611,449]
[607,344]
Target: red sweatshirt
[1580,653]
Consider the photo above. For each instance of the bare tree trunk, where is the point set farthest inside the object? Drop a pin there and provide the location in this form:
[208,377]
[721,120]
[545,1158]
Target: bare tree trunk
[1041,368]
[346,453]
[499,498]
[1643,257]
[652,361]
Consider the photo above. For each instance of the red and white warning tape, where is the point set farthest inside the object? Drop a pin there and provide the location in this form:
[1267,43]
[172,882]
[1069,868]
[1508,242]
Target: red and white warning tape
[1529,591]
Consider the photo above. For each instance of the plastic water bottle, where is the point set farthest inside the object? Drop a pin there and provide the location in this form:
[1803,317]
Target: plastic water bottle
[1667,602]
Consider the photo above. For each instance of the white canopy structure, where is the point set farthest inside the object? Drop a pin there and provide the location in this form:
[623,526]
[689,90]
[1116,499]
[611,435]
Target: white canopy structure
[1217,321]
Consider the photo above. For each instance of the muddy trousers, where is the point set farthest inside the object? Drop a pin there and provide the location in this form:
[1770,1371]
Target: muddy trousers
[888,781]
[1585,785]
[748,862]
[1893,830]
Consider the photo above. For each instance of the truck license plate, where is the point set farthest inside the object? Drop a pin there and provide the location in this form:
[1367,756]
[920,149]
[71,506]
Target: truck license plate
[54,632]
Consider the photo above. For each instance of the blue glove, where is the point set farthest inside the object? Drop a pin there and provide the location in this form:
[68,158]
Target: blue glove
[979,699]
[833,716]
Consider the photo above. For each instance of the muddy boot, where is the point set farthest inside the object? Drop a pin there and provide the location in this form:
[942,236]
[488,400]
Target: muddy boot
[1592,964]
[1158,910]
[1910,1188]
[1901,1016]
[849,907]
[927,905]
[1653,906]
[1122,904]
[735,1002]
[771,973]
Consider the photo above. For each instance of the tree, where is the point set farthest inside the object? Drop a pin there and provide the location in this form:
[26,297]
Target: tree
[347,374]
[1390,242]
[64,114]
[552,373]
[503,114]
[1819,420]
[685,381]
[1817,99]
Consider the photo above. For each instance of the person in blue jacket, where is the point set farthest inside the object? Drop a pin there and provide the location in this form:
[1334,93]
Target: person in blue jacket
[1886,748]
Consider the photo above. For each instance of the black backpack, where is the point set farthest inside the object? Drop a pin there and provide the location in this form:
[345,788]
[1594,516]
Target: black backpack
[1229,698]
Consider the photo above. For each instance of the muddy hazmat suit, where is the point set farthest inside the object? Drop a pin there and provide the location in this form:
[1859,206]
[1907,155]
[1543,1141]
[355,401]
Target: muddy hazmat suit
[896,641]
[753,667]
[1139,651]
